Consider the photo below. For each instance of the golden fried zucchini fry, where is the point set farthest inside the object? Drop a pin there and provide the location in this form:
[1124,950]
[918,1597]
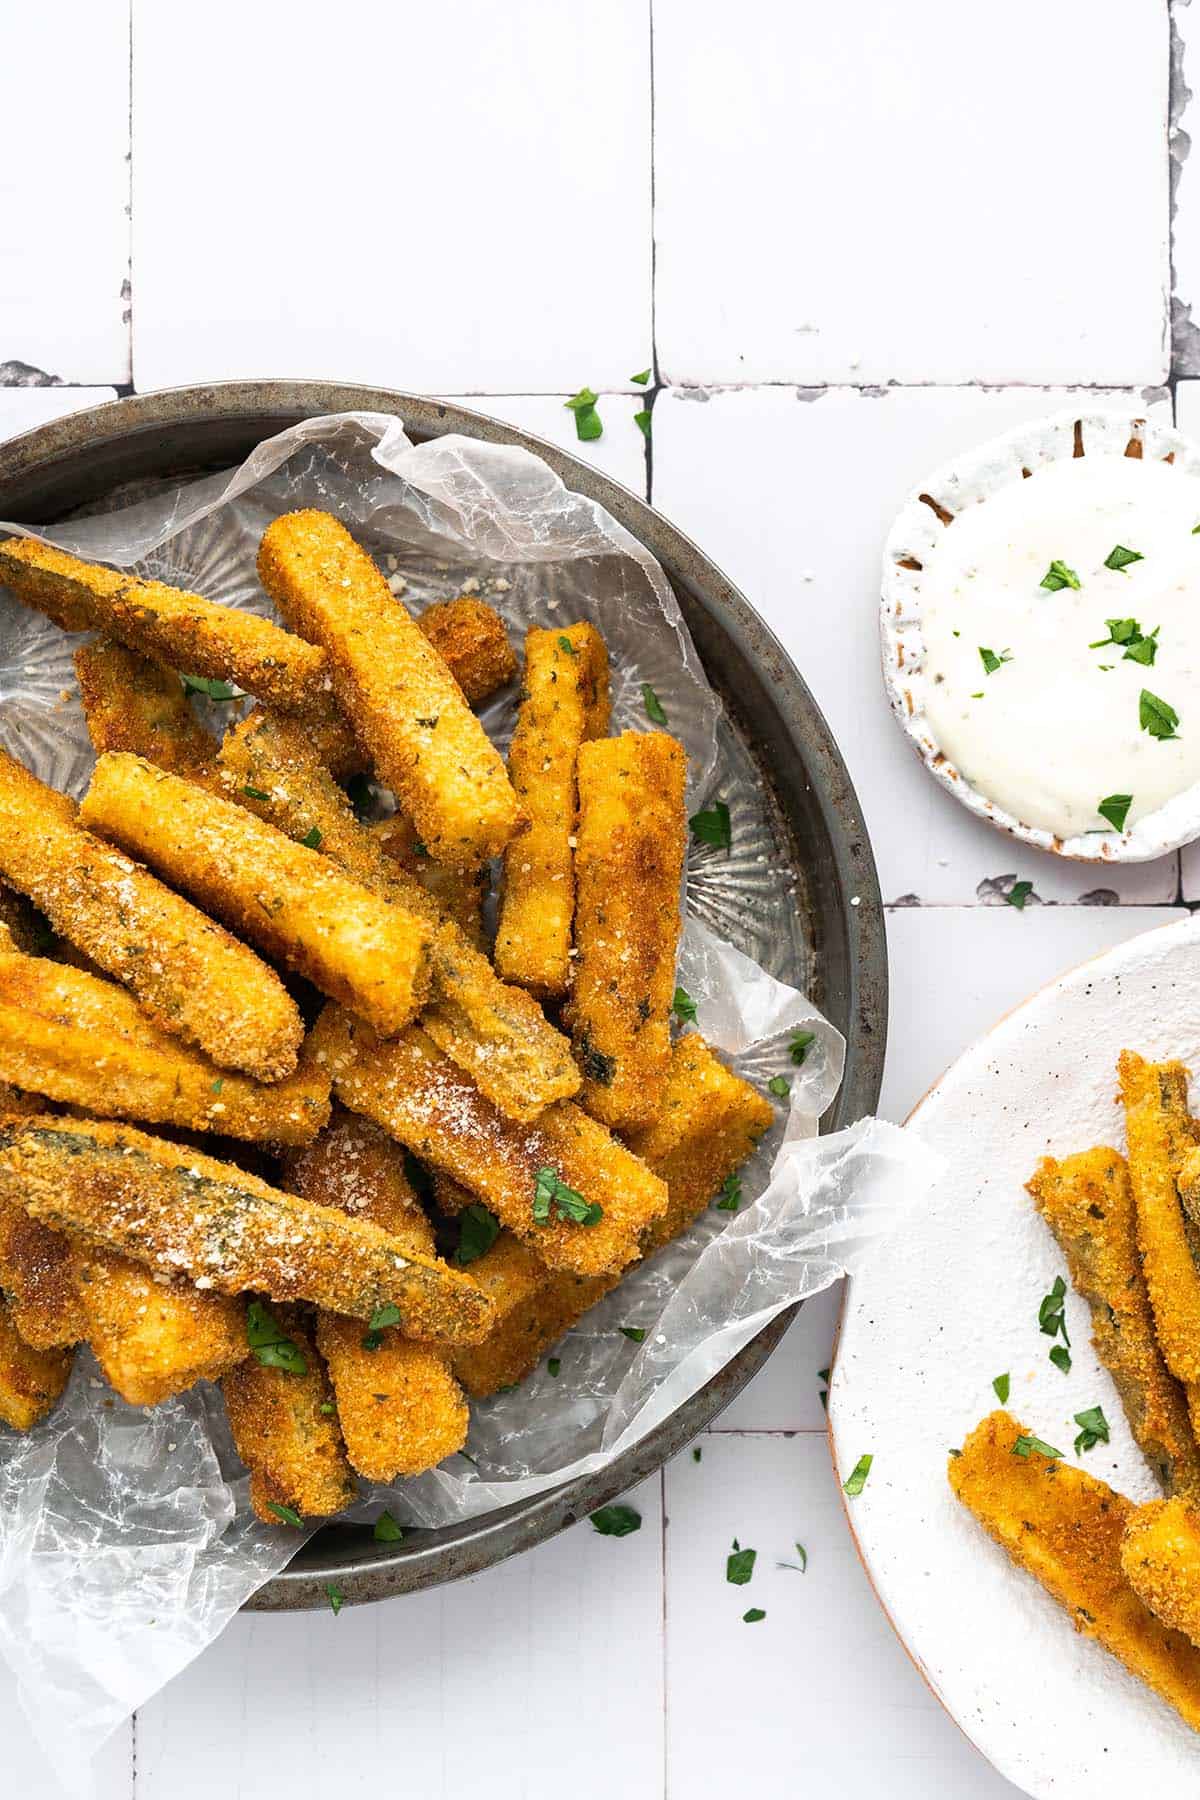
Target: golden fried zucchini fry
[534,1309]
[31,1381]
[470,638]
[131,703]
[405,706]
[458,893]
[153,1338]
[1160,1557]
[497,1033]
[628,866]
[179,629]
[82,1041]
[20,927]
[1065,1528]
[35,1273]
[1158,1127]
[194,979]
[400,1408]
[286,1432]
[418,1095]
[564,702]
[178,1211]
[283,896]
[1088,1204]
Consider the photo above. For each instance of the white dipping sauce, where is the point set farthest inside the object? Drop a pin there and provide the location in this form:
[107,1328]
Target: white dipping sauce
[1055,730]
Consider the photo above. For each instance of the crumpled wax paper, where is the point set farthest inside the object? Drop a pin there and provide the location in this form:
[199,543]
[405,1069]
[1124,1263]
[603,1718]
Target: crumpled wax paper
[126,1539]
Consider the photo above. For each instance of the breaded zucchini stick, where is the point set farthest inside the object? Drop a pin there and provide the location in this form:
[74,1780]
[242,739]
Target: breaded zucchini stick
[1160,1558]
[22,929]
[458,893]
[405,706]
[152,1338]
[286,1432]
[410,1088]
[1065,1528]
[194,979]
[401,1410]
[470,638]
[83,1041]
[534,1308]
[178,1211]
[628,867]
[35,1273]
[31,1381]
[1088,1204]
[1159,1131]
[497,1033]
[564,702]
[131,703]
[179,629]
[283,896]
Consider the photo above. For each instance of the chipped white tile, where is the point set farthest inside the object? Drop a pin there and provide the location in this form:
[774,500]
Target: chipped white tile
[21,409]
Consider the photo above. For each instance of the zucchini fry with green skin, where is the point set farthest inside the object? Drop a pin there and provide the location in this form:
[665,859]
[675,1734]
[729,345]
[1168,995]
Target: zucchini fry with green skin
[286,1432]
[400,1409]
[564,702]
[191,977]
[178,1211]
[470,638]
[285,897]
[151,1338]
[496,1032]
[1088,1204]
[406,708]
[628,865]
[131,703]
[1160,1557]
[1159,1131]
[82,1041]
[420,1097]
[176,628]
[31,1381]
[1065,1528]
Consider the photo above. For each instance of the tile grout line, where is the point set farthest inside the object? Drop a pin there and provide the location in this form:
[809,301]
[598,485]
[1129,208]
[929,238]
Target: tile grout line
[128,384]
[666,1692]
[654,376]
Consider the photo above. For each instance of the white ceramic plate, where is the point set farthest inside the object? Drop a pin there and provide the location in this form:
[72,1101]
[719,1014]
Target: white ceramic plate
[953,1302]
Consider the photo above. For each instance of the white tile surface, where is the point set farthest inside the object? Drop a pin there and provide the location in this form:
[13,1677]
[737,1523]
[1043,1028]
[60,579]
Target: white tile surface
[620,452]
[1187,417]
[818,1698]
[21,409]
[64,189]
[548,1664]
[29,1775]
[910,193]
[1185,246]
[472,213]
[792,493]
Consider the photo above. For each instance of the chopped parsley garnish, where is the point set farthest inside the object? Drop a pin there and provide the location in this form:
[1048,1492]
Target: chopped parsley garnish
[336,1598]
[587,419]
[634,1333]
[327,1408]
[653,705]
[1156,716]
[218,1084]
[1052,1321]
[780,1086]
[1060,1356]
[712,825]
[1115,809]
[731,1194]
[312,839]
[856,1481]
[288,1514]
[569,1204]
[209,686]
[823,1375]
[566,646]
[683,1006]
[253,793]
[739,1565]
[697,1453]
[1000,1387]
[1127,635]
[553,1364]
[1120,558]
[478,1230]
[752,1615]
[387,1529]
[616,1521]
[1018,894]
[991,662]
[1093,1429]
[1058,575]
[271,1343]
[377,1324]
[1025,1444]
[642,421]
[641,379]
[802,1566]
[800,1045]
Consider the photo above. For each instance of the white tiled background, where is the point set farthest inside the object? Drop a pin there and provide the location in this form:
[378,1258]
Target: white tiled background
[852,237]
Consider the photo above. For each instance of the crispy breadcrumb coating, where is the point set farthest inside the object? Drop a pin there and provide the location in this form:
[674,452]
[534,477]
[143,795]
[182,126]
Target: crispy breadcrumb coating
[1065,1528]
[31,1381]
[131,703]
[286,1432]
[1160,1557]
[459,894]
[469,636]
[1159,1131]
[35,1273]
[154,1338]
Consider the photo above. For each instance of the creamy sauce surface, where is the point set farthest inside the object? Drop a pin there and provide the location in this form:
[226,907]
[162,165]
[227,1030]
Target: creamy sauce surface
[1056,727]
